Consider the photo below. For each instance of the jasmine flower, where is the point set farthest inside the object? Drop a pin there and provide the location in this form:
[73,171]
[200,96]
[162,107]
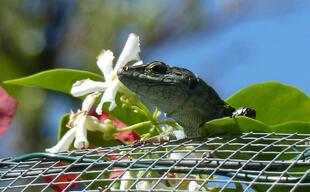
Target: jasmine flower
[111,85]
[78,124]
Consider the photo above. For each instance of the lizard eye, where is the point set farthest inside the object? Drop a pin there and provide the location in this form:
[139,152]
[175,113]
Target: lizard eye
[158,67]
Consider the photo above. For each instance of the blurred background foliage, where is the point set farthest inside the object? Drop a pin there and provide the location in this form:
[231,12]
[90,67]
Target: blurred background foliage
[228,43]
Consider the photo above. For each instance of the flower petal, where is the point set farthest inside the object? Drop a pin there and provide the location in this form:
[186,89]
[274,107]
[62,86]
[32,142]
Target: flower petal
[127,136]
[109,96]
[64,143]
[86,86]
[81,133]
[105,63]
[194,186]
[61,182]
[130,52]
[179,155]
[89,101]
[148,184]
[126,180]
[8,107]
[144,185]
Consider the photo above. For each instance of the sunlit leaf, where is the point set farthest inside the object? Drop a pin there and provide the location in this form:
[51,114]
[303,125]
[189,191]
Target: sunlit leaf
[55,79]
[127,115]
[63,79]
[232,126]
[274,102]
[292,127]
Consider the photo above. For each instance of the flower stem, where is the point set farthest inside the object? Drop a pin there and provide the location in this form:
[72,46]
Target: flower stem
[145,110]
[144,124]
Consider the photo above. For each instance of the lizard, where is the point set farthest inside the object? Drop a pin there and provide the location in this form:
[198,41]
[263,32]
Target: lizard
[180,94]
[183,96]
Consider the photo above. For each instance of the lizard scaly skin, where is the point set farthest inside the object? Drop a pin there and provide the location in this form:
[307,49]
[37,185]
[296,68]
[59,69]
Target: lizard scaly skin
[179,93]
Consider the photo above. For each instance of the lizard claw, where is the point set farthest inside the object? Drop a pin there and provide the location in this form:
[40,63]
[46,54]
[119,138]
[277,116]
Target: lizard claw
[244,111]
[159,139]
[138,143]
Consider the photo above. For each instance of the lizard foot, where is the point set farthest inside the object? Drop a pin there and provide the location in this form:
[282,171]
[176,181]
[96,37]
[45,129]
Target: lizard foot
[244,111]
[159,139]
[205,156]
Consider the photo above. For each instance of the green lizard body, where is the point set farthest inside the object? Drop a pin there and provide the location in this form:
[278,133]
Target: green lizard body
[179,93]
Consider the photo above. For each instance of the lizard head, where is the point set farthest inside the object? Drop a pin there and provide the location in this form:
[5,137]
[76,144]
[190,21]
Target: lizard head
[162,85]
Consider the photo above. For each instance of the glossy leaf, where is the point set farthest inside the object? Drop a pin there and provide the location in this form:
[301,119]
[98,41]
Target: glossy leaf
[127,115]
[274,102]
[231,126]
[299,127]
[55,79]
[63,79]
[228,127]
[238,125]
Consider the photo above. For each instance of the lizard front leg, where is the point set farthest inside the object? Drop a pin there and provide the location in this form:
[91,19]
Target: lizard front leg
[244,111]
[162,138]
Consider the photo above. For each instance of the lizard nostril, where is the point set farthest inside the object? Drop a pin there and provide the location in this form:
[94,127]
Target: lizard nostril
[192,82]
[122,70]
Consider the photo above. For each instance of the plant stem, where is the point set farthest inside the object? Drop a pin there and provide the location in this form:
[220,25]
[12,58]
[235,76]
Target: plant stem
[144,124]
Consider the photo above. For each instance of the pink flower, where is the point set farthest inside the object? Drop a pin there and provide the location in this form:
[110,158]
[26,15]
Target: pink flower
[8,107]
[64,180]
[126,136]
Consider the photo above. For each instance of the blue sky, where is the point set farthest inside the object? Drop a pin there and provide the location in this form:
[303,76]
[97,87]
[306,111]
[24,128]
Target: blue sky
[255,49]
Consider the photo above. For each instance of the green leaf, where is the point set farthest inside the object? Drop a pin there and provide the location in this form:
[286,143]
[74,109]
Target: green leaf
[95,138]
[63,79]
[231,126]
[62,129]
[279,188]
[274,102]
[228,127]
[55,79]
[127,115]
[238,125]
[280,109]
[299,127]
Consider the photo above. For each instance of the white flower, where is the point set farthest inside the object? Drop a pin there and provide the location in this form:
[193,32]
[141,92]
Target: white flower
[126,180]
[78,124]
[194,186]
[146,185]
[111,85]
[184,157]
[64,143]
[148,182]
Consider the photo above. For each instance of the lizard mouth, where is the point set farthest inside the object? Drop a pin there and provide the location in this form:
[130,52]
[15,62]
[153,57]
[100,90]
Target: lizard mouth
[130,75]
